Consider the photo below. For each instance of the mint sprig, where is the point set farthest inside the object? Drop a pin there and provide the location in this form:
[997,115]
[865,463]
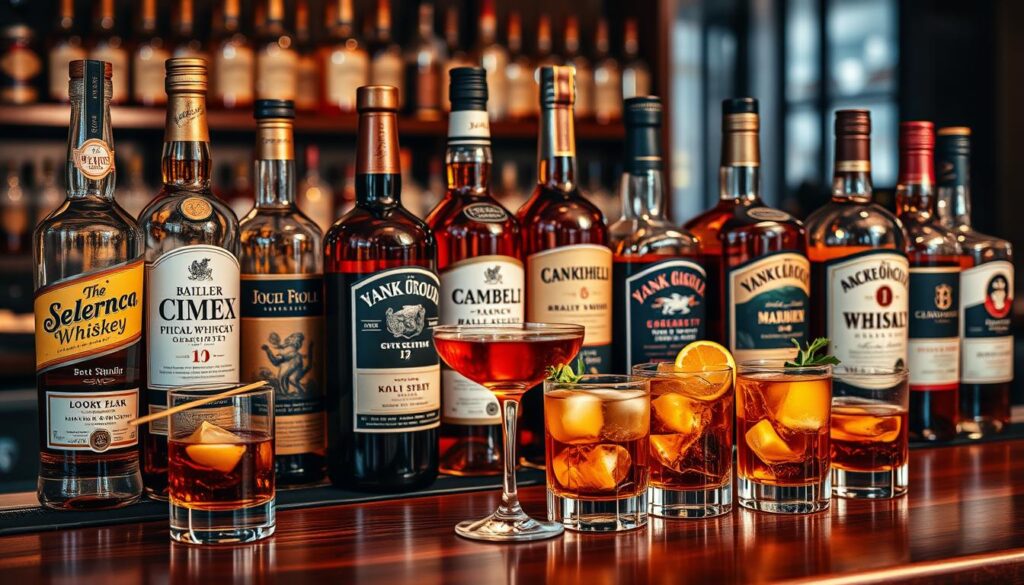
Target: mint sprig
[563,372]
[809,356]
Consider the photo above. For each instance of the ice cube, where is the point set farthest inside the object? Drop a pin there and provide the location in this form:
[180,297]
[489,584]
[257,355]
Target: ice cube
[668,449]
[859,424]
[627,415]
[574,417]
[214,447]
[769,446]
[591,468]
[804,407]
[678,414]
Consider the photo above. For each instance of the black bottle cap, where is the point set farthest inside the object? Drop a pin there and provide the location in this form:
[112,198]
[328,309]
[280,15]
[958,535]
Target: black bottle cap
[467,89]
[953,141]
[273,109]
[642,116]
[743,105]
[642,111]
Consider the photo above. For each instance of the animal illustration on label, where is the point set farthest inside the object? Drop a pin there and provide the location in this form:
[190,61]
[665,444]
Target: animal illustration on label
[292,366]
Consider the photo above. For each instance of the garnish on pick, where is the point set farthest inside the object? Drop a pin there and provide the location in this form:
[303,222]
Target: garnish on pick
[809,356]
[563,372]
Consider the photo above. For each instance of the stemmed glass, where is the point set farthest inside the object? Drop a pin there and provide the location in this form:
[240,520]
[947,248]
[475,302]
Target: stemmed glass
[508,361]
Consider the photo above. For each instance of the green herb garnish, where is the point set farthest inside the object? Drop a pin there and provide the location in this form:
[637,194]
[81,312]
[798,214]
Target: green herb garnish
[563,372]
[810,357]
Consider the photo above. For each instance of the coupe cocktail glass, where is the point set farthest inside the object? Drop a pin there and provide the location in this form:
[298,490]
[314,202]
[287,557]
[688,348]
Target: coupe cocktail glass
[508,360]
[782,451]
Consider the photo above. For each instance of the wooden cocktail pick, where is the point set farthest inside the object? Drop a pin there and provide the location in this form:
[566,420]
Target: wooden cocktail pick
[212,398]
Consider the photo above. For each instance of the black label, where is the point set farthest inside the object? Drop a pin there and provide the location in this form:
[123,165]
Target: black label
[92,112]
[934,303]
[265,296]
[766,305]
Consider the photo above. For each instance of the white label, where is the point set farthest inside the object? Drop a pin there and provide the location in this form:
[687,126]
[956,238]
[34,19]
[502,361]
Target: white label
[986,306]
[192,326]
[466,402]
[867,303]
[469,127]
[935,363]
[344,71]
[91,421]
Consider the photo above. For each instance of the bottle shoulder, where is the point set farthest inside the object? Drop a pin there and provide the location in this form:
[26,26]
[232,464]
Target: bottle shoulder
[983,247]
[168,222]
[392,227]
[457,215]
[636,237]
[857,224]
[549,209]
[278,224]
[926,235]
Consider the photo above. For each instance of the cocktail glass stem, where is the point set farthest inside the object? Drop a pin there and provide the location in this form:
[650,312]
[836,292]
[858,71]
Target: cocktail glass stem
[509,497]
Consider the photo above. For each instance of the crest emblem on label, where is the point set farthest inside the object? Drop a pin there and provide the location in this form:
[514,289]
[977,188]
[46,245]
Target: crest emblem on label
[200,270]
[943,297]
[407,322]
[196,208]
[485,212]
[94,159]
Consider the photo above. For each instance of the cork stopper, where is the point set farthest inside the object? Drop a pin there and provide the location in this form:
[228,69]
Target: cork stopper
[76,69]
[186,74]
[377,98]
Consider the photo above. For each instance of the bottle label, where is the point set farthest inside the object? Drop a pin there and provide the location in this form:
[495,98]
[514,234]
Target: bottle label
[192,333]
[664,308]
[395,373]
[986,305]
[232,78]
[485,290]
[345,71]
[766,302]
[573,284]
[148,75]
[469,127]
[94,159]
[866,308]
[88,316]
[485,212]
[934,329]
[282,344]
[91,421]
[277,73]
[186,119]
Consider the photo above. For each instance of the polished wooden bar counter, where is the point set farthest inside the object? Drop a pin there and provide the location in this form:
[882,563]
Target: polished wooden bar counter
[963,521]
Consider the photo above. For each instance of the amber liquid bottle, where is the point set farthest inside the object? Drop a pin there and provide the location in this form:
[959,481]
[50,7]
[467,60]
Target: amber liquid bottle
[659,285]
[934,318]
[986,295]
[565,244]
[756,255]
[482,277]
[382,295]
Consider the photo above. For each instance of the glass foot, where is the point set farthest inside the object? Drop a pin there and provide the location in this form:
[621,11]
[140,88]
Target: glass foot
[498,528]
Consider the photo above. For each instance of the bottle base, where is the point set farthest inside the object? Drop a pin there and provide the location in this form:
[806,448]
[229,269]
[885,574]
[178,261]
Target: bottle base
[870,484]
[611,515]
[192,526]
[801,499]
[706,503]
[89,493]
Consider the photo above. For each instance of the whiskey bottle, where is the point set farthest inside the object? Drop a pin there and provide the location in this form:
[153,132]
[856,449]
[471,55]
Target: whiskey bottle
[316,199]
[88,308]
[282,301]
[482,278]
[859,267]
[986,295]
[233,63]
[148,59]
[456,56]
[493,57]
[756,255]
[584,74]
[386,65]
[545,54]
[65,47]
[423,68]
[636,75]
[192,271]
[934,318]
[382,295]
[521,99]
[345,62]
[307,75]
[186,40]
[277,62]
[659,285]
[109,46]
[607,79]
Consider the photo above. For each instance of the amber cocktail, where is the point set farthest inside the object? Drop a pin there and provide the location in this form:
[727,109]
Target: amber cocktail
[508,360]
[691,440]
[782,415]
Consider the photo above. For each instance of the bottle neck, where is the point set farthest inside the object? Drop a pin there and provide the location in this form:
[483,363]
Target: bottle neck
[954,190]
[851,176]
[556,152]
[378,172]
[468,156]
[90,162]
[643,195]
[186,157]
[739,176]
[915,191]
[275,164]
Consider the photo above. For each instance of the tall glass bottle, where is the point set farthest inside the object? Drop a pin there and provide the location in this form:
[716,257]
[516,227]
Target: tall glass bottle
[658,283]
[934,318]
[186,39]
[493,57]
[346,63]
[756,255]
[307,76]
[277,62]
[148,59]
[109,46]
[382,295]
[636,75]
[607,78]
[584,73]
[192,271]
[386,65]
[423,68]
[457,57]
[521,99]
[482,277]
[233,60]
[859,268]
[88,254]
[282,301]
[65,47]
[986,295]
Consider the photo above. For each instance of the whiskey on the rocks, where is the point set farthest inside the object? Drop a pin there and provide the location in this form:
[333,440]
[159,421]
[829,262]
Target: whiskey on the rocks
[381,297]
[482,278]
[192,270]
[282,300]
[986,295]
[88,310]
[859,268]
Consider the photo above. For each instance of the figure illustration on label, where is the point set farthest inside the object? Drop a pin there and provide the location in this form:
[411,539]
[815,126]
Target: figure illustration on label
[292,366]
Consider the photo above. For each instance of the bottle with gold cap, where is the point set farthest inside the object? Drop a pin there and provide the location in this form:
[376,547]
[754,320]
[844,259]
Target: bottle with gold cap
[88,254]
[743,239]
[282,300]
[381,295]
[192,270]
[986,295]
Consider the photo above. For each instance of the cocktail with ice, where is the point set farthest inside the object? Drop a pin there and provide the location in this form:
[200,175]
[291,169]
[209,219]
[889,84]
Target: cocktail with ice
[220,468]
[691,439]
[597,451]
[782,415]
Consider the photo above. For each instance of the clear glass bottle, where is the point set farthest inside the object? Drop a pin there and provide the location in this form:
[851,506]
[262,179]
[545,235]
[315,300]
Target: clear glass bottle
[148,59]
[233,60]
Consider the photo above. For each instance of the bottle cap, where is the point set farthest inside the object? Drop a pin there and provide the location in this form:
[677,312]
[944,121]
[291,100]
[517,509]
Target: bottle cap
[642,116]
[76,68]
[743,105]
[274,109]
[642,111]
[557,85]
[917,135]
[468,88]
[381,98]
[186,74]
[953,141]
[853,122]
